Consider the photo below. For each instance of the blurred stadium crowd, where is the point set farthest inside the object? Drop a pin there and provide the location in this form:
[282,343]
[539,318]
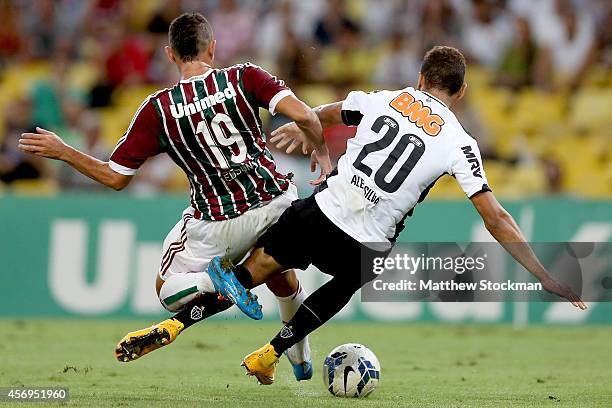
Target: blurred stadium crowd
[539,76]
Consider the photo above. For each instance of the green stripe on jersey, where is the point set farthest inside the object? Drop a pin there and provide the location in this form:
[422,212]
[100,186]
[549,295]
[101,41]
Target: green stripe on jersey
[269,183]
[251,101]
[202,92]
[161,137]
[179,295]
[278,181]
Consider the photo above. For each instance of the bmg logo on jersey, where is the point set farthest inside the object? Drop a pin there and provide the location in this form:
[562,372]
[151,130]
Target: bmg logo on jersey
[417,113]
[473,160]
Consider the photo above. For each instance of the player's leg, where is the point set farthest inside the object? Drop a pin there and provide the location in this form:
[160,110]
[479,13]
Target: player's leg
[178,291]
[285,286]
[175,289]
[197,306]
[314,239]
[290,295]
[138,343]
[327,247]
[189,247]
[189,251]
[317,309]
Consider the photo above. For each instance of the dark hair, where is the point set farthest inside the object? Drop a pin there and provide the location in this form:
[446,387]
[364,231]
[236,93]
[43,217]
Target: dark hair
[189,35]
[444,68]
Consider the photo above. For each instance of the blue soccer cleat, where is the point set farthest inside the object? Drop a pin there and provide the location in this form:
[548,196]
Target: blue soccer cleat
[301,371]
[227,285]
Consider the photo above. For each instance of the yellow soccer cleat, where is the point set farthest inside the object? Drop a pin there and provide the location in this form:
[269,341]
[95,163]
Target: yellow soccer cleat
[262,363]
[138,343]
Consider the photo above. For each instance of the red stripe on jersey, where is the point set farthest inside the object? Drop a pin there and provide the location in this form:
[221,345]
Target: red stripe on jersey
[261,84]
[141,138]
[246,110]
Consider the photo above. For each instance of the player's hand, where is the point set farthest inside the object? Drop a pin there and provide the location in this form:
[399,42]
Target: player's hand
[564,291]
[290,135]
[320,156]
[43,143]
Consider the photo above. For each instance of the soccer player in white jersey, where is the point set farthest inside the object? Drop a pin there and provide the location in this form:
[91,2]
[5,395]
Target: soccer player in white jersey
[209,125]
[405,141]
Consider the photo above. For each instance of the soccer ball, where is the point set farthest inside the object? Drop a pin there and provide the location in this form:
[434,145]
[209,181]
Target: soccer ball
[351,370]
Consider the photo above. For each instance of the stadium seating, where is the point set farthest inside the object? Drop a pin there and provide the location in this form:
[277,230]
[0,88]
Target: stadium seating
[573,130]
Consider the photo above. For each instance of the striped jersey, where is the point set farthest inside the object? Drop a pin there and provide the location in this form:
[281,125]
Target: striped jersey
[210,126]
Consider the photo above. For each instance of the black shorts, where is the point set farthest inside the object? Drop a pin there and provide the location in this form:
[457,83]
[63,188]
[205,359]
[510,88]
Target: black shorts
[303,235]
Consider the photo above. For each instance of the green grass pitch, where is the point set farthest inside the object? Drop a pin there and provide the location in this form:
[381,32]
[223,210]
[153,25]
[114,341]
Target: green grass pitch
[422,365]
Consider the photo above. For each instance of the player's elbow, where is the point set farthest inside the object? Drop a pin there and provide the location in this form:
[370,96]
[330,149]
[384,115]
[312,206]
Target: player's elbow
[496,219]
[118,182]
[116,187]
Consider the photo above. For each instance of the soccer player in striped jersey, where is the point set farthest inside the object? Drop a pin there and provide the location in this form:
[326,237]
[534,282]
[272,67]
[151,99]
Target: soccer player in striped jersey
[209,125]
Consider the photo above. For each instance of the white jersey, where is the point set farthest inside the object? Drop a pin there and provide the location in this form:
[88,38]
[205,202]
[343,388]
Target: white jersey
[406,140]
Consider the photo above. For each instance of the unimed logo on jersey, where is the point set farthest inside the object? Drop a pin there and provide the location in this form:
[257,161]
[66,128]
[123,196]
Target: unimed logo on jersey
[417,113]
[179,110]
[473,160]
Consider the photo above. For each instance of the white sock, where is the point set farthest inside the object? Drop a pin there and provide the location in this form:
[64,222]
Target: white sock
[205,284]
[181,288]
[287,307]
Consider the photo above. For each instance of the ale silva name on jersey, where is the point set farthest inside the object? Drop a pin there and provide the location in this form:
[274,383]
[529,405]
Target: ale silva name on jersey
[368,193]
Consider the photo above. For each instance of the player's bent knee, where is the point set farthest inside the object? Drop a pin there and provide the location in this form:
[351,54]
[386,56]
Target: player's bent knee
[285,284]
[177,291]
[262,266]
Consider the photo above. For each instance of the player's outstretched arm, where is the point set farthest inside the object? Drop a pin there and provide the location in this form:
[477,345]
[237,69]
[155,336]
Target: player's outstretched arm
[47,144]
[308,133]
[505,230]
[290,135]
[304,118]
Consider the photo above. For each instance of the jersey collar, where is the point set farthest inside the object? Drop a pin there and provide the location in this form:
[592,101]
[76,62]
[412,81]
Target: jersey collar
[435,99]
[193,78]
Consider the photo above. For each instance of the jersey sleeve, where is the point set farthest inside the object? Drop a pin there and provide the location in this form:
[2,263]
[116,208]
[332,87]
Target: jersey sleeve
[353,107]
[141,141]
[267,89]
[467,169]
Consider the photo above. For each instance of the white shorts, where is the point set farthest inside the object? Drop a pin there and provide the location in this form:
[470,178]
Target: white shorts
[193,243]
